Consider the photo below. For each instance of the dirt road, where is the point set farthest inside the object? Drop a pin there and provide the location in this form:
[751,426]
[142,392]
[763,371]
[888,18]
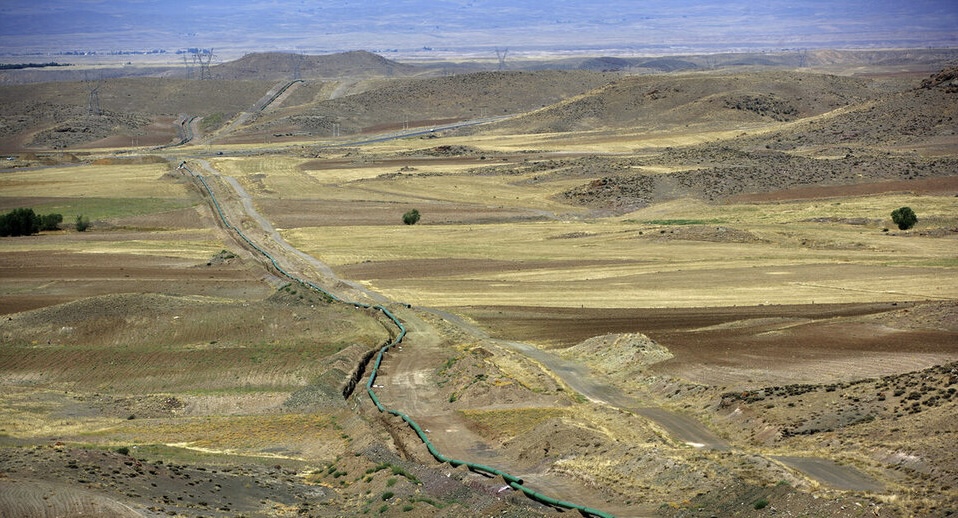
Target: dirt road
[832,473]
[407,382]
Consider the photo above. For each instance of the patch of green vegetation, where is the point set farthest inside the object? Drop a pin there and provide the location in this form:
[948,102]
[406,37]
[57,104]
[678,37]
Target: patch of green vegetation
[426,500]
[212,121]
[104,208]
[448,364]
[513,421]
[679,221]
[941,262]
[395,470]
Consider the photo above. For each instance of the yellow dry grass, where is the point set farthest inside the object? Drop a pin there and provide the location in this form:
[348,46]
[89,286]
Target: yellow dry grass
[116,181]
[644,270]
[502,424]
[199,244]
[651,257]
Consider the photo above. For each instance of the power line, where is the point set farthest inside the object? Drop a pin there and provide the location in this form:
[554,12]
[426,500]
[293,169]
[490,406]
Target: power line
[204,58]
[501,54]
[93,105]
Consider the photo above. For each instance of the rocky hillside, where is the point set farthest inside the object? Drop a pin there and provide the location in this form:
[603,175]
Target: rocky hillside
[837,149]
[458,97]
[657,102]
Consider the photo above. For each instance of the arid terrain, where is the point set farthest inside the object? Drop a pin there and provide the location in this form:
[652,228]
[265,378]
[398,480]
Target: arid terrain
[663,288]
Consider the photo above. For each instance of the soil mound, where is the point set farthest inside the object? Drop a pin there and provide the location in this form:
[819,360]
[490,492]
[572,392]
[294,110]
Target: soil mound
[619,354]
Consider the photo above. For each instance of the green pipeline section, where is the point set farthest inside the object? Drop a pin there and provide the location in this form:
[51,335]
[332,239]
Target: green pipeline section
[513,481]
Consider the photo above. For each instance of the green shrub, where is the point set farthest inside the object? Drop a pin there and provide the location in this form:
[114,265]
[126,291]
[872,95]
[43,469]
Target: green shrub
[411,217]
[904,217]
[51,221]
[82,223]
[760,504]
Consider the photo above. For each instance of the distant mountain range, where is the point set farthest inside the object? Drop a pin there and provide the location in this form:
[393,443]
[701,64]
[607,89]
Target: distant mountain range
[444,27]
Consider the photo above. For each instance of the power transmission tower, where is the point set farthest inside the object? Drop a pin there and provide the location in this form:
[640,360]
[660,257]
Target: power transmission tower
[298,66]
[189,66]
[802,58]
[93,106]
[501,54]
[205,58]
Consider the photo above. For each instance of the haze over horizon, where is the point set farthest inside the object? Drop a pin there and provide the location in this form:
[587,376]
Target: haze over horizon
[439,27]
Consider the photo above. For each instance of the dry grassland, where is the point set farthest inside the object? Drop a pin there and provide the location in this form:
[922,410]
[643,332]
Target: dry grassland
[677,253]
[117,181]
[789,259]
[784,323]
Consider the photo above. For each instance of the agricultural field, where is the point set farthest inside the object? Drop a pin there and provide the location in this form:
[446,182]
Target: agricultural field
[652,295]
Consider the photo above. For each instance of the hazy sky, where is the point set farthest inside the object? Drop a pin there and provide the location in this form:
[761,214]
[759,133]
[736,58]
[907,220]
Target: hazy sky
[415,25]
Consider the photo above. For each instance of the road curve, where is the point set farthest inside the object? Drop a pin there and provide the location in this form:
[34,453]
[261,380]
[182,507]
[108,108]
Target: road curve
[576,376]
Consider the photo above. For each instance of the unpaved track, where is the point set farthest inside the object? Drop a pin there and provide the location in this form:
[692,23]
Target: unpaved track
[831,473]
[407,383]
[284,250]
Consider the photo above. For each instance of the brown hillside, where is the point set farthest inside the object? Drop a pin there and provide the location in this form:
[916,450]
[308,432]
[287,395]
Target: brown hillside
[457,97]
[57,115]
[659,102]
[274,66]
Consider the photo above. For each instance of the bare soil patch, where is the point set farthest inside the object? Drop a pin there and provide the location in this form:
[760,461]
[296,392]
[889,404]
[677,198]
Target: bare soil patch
[931,186]
[68,276]
[742,346]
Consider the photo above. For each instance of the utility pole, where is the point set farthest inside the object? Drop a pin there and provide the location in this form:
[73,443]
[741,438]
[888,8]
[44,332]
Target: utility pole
[298,66]
[189,66]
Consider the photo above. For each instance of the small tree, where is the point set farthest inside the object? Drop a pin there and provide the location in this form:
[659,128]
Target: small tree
[411,217]
[904,217]
[82,223]
[19,222]
[51,221]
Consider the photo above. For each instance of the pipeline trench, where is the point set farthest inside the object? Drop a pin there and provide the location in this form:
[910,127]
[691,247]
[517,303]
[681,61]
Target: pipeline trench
[377,357]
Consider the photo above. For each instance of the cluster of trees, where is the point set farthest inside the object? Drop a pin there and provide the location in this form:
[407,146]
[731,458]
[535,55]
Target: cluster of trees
[25,222]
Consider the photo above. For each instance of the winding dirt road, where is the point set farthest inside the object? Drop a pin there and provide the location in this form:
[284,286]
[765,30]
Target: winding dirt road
[407,382]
